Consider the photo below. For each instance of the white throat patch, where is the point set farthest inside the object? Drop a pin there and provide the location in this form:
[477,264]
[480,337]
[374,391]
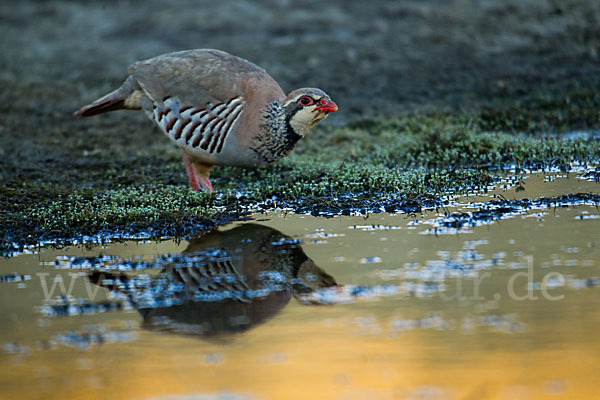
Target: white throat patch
[305,119]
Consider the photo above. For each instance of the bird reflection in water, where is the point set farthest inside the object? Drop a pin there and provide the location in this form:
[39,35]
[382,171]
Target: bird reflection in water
[225,282]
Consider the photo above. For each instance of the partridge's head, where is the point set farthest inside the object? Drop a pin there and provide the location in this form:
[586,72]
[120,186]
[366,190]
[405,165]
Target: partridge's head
[306,107]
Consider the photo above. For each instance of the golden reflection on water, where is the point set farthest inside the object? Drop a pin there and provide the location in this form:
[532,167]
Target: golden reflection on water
[463,338]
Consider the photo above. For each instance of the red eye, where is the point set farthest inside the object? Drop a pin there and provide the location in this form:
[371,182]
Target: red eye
[306,101]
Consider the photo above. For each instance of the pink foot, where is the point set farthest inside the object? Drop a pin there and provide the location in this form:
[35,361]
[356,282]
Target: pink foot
[206,184]
[198,174]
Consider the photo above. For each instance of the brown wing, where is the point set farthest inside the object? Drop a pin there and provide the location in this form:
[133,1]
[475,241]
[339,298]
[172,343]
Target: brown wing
[197,77]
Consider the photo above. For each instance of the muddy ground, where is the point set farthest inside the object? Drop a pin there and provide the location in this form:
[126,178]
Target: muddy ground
[503,60]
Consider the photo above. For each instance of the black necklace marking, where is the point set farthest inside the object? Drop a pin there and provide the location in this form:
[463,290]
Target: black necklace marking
[277,137]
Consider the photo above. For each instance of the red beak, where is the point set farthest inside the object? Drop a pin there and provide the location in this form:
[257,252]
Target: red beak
[327,106]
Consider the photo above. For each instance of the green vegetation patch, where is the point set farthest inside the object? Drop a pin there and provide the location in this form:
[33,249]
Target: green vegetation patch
[579,109]
[403,164]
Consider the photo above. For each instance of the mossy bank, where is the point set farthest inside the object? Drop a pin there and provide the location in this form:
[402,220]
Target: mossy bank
[401,164]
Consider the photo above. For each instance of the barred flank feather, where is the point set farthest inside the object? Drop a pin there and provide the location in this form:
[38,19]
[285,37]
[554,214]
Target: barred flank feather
[198,127]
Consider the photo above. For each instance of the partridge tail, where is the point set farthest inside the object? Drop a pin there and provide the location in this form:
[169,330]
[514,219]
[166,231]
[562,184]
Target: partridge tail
[100,106]
[125,97]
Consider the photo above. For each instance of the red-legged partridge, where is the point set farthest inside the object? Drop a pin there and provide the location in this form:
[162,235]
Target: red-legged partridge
[218,108]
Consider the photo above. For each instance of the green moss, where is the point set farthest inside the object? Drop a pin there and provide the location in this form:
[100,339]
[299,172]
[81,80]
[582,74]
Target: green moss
[579,109]
[398,164]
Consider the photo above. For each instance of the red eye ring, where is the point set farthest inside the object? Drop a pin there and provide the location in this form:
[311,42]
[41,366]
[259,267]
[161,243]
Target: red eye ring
[306,101]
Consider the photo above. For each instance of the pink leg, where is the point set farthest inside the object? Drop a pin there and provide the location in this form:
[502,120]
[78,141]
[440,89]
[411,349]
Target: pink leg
[189,168]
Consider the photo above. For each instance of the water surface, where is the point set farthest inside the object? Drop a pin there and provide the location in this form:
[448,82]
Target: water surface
[292,306]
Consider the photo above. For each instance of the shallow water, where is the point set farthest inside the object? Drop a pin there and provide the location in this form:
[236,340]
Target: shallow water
[291,306]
